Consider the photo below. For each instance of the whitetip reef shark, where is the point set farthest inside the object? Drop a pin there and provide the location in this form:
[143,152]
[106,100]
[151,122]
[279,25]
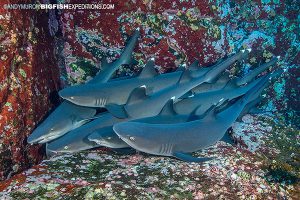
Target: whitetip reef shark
[117,92]
[176,140]
[146,106]
[139,100]
[68,116]
[223,80]
[168,115]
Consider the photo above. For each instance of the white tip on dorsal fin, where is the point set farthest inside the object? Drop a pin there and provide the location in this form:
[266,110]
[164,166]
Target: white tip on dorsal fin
[143,86]
[149,70]
[168,108]
[138,94]
[249,50]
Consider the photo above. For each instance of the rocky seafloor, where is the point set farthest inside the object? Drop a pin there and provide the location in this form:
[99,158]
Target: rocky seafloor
[265,165]
[44,51]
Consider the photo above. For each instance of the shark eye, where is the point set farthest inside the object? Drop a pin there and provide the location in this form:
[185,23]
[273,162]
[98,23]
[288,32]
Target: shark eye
[66,147]
[131,138]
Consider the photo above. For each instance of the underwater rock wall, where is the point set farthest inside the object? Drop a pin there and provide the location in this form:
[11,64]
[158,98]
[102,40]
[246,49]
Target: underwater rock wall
[28,75]
[177,32]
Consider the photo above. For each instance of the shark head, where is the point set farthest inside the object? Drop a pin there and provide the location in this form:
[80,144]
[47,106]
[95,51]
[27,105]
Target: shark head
[49,130]
[84,95]
[107,138]
[134,135]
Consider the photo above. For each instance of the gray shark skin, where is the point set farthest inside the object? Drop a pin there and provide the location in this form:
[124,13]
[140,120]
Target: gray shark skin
[207,99]
[224,79]
[65,117]
[178,139]
[76,139]
[255,99]
[117,92]
[58,122]
[138,101]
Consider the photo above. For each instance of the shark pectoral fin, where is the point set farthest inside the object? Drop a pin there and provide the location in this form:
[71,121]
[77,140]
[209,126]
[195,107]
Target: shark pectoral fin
[168,109]
[149,70]
[117,110]
[138,94]
[188,158]
[226,138]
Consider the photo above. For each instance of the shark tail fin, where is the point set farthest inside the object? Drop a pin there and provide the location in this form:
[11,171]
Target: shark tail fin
[117,110]
[255,72]
[126,56]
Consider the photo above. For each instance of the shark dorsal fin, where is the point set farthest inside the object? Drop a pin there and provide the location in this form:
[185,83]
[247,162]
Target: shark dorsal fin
[185,76]
[138,94]
[149,70]
[168,108]
[117,110]
[194,65]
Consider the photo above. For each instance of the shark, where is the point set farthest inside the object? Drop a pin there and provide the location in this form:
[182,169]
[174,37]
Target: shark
[117,92]
[139,100]
[107,137]
[203,101]
[223,80]
[77,139]
[168,115]
[180,139]
[68,116]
